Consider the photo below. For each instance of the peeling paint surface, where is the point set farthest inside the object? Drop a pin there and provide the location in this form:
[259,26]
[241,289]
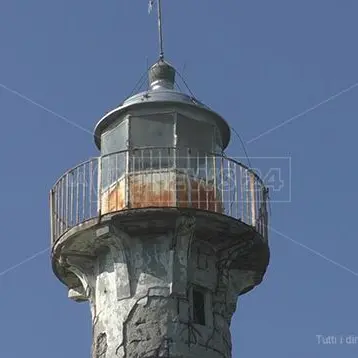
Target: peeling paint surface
[161,189]
[139,288]
[101,346]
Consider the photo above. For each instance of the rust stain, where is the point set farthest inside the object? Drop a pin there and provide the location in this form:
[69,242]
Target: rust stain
[195,193]
[152,190]
[167,189]
[113,199]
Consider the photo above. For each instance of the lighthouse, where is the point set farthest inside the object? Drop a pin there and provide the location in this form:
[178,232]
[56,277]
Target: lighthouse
[162,232]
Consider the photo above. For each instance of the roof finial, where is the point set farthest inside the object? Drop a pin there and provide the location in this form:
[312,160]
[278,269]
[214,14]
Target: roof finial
[160,26]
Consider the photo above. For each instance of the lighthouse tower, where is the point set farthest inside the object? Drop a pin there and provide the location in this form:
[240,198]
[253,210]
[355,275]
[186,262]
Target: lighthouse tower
[162,232]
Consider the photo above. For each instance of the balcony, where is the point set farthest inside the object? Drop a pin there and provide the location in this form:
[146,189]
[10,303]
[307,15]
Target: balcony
[157,178]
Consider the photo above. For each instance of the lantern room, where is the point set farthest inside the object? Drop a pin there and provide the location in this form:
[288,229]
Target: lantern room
[158,149]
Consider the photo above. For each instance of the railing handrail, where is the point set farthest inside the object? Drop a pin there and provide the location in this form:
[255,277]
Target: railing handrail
[100,157]
[65,200]
[68,171]
[209,153]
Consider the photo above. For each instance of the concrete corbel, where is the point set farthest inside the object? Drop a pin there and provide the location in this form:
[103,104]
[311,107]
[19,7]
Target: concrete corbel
[180,255]
[82,267]
[109,236]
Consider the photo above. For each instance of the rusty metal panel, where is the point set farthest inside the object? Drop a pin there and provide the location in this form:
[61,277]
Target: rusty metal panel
[145,190]
[154,189]
[113,199]
[196,193]
[161,189]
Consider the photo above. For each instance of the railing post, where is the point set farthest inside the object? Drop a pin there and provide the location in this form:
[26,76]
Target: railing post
[66,203]
[99,187]
[176,175]
[252,201]
[222,199]
[128,175]
[265,212]
[215,186]
[52,231]
[241,196]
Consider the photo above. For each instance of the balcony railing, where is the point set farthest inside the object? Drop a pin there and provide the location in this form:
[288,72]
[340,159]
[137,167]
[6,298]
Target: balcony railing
[158,177]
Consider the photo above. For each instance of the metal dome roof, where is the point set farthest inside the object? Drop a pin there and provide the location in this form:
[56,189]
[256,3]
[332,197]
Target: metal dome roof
[161,93]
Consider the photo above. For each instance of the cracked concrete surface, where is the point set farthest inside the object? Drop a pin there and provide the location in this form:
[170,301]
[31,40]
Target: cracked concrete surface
[140,291]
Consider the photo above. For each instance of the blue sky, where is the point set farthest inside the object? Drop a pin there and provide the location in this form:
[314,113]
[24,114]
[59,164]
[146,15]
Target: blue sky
[258,63]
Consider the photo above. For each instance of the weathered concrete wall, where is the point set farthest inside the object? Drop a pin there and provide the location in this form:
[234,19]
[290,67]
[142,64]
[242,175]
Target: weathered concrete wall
[140,292]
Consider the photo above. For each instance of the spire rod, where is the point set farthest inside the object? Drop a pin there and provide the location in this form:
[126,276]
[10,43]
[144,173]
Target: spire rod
[160,28]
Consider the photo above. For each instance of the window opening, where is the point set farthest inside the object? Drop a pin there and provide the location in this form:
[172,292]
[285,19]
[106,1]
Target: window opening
[199,307]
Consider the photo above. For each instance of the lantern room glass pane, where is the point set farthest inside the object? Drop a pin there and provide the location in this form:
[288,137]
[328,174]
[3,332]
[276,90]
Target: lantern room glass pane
[195,140]
[218,144]
[150,159]
[113,168]
[152,131]
[194,134]
[115,139]
[152,141]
